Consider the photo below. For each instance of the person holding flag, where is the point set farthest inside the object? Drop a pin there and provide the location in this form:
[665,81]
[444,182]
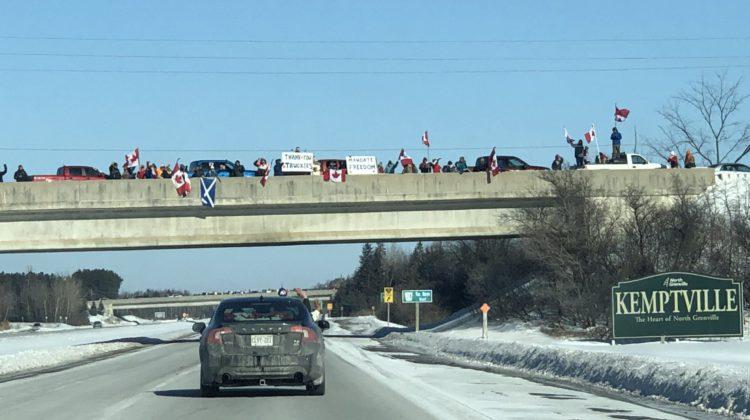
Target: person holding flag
[181,180]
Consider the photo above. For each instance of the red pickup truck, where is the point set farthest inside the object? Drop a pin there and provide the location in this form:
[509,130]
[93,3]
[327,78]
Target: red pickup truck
[72,173]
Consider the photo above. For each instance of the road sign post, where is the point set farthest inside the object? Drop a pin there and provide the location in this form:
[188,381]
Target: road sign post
[416,297]
[388,299]
[484,308]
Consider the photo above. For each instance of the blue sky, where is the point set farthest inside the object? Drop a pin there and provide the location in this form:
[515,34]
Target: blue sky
[84,82]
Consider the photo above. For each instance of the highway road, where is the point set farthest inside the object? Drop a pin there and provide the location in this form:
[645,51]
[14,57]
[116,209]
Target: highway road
[364,381]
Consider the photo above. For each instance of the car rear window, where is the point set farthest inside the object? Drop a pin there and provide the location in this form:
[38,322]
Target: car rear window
[262,312]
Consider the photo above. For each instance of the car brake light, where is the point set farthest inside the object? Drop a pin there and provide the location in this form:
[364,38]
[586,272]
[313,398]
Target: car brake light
[308,334]
[214,336]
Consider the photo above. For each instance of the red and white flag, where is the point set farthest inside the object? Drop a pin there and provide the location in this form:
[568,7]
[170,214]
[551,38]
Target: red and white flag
[492,164]
[405,159]
[621,114]
[590,135]
[181,181]
[425,139]
[132,160]
[334,175]
[264,169]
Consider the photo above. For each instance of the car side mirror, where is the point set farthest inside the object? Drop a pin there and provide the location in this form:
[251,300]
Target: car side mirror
[199,327]
[323,324]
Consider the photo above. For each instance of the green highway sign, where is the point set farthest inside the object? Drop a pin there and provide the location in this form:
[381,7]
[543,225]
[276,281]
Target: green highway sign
[416,296]
[677,305]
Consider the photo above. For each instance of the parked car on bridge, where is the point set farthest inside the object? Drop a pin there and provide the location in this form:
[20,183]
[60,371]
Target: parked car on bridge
[725,171]
[253,341]
[222,167]
[72,173]
[506,163]
[626,161]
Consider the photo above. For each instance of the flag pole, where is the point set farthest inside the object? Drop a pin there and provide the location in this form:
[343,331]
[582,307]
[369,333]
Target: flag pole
[635,131]
[596,139]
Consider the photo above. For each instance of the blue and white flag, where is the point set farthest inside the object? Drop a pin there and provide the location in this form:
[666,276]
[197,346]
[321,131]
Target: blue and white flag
[208,192]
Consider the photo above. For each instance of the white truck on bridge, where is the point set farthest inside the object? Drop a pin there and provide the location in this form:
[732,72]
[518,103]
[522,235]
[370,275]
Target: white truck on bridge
[625,161]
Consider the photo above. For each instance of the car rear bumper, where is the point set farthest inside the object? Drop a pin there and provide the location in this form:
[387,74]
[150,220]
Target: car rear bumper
[250,370]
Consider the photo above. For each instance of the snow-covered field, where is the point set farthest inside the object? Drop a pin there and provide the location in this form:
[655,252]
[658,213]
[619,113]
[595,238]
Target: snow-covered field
[714,375]
[22,349]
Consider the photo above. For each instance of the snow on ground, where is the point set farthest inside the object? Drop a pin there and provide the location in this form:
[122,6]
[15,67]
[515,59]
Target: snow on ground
[710,374]
[53,346]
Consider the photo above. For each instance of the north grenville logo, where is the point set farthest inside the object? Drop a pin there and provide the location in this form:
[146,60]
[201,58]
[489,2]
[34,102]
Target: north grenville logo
[678,282]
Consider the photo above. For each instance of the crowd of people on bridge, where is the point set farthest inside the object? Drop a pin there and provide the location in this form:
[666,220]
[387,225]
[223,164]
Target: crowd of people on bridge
[165,171]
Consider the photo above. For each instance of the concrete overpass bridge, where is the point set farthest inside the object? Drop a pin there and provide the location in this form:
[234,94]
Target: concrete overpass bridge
[122,306]
[147,214]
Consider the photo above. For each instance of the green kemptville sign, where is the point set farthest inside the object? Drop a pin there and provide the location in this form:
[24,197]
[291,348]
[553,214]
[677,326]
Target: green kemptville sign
[677,305]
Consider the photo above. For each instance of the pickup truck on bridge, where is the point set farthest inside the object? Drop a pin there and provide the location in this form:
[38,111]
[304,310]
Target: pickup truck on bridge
[72,173]
[625,161]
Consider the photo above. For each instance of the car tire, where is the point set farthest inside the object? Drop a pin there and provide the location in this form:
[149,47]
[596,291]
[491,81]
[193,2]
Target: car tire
[313,389]
[209,391]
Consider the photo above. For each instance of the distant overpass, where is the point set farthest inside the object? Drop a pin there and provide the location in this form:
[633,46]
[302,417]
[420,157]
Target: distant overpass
[156,303]
[147,214]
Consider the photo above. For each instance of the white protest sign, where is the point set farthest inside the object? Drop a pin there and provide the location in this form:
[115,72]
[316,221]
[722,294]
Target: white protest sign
[361,165]
[296,162]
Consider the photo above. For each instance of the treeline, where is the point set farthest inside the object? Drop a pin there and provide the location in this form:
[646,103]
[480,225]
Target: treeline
[40,297]
[567,259]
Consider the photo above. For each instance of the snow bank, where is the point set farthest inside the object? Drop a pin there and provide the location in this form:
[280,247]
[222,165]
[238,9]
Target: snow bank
[722,387]
[32,360]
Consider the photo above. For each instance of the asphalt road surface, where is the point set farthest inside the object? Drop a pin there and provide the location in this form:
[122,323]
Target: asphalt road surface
[161,382]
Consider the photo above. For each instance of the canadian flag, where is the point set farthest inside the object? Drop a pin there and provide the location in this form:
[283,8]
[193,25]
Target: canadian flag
[405,159]
[334,175]
[493,167]
[181,181]
[425,139]
[264,169]
[131,160]
[590,135]
[621,114]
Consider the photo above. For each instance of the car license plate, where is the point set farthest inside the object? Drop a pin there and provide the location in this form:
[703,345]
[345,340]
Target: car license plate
[263,340]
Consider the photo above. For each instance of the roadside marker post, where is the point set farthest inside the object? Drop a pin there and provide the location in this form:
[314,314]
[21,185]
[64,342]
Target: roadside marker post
[484,308]
[388,299]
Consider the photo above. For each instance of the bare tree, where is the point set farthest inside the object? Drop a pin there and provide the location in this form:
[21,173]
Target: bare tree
[705,118]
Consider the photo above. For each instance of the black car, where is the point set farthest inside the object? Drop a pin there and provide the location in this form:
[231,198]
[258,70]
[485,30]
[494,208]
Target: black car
[506,163]
[254,341]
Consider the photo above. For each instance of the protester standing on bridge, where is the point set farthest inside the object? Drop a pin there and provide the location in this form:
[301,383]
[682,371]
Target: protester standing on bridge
[557,163]
[425,166]
[689,159]
[3,172]
[461,165]
[578,152]
[436,165]
[114,171]
[448,167]
[616,138]
[20,175]
[390,167]
[672,159]
[277,168]
[239,169]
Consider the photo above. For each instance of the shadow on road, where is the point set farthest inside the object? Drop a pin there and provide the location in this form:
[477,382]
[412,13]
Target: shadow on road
[235,392]
[149,340]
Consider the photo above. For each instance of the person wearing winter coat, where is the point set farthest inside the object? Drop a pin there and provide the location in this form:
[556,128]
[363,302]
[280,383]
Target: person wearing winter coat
[461,165]
[20,175]
[557,163]
[616,138]
[672,160]
[3,172]
[689,159]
